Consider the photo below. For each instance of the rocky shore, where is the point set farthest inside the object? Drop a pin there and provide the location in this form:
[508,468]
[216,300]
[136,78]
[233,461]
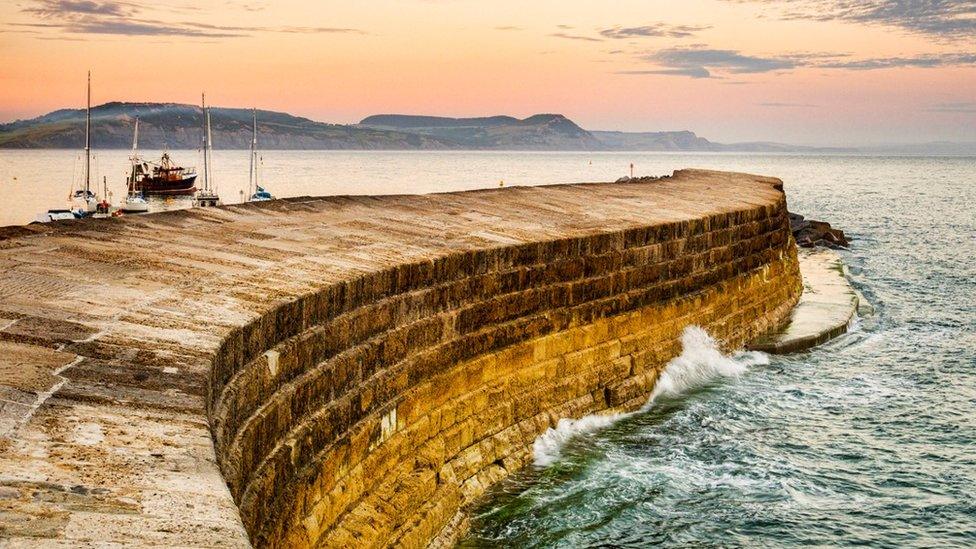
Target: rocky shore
[810,233]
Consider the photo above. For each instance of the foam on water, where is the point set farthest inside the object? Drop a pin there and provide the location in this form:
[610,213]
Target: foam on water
[700,362]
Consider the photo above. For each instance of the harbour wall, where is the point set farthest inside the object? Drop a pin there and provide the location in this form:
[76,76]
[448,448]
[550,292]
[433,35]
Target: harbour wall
[375,410]
[352,371]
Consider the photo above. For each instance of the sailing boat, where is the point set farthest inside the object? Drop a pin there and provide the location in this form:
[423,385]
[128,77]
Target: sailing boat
[83,202]
[207,196]
[260,194]
[134,200]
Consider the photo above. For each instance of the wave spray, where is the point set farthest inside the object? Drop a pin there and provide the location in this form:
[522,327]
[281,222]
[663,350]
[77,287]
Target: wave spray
[700,362]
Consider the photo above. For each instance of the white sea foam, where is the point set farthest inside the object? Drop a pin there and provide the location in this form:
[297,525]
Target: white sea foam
[548,446]
[700,362]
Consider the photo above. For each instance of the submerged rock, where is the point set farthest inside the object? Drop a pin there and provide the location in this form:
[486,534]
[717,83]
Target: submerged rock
[810,233]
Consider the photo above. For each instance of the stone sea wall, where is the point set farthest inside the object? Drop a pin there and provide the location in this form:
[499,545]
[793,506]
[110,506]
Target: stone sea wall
[372,411]
[351,370]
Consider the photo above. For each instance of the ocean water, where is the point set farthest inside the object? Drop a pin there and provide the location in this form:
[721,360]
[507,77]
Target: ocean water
[868,440]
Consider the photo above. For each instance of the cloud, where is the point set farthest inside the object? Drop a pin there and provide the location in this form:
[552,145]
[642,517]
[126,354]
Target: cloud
[576,37]
[620,33]
[691,72]
[311,30]
[941,19]
[508,28]
[126,19]
[256,6]
[654,30]
[58,8]
[699,62]
[128,28]
[776,104]
[925,61]
[285,29]
[961,107]
[143,28]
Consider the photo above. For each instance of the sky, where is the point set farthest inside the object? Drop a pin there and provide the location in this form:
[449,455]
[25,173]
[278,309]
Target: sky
[818,72]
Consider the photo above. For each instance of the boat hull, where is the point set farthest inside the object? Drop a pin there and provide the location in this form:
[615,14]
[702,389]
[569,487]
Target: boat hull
[135,207]
[204,198]
[183,186]
[55,215]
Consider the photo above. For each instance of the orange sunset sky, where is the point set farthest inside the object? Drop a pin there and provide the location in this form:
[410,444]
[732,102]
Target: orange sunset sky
[832,72]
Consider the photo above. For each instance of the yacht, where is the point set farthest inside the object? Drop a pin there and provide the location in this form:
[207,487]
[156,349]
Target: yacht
[260,193]
[135,201]
[82,202]
[207,195]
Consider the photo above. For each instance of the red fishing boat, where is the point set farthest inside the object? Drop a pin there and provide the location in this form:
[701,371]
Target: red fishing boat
[164,178]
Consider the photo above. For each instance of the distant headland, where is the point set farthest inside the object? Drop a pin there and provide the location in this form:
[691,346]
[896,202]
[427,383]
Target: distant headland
[177,126]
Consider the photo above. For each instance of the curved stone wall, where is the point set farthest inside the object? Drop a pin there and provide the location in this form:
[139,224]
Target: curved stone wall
[350,371]
[371,411]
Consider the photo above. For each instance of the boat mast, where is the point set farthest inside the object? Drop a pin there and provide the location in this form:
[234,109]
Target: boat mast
[134,159]
[206,143]
[88,140]
[210,188]
[253,173]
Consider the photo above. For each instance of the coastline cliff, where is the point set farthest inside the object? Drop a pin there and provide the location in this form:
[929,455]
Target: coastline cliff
[177,126]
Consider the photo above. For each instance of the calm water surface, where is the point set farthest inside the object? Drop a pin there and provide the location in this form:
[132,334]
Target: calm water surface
[869,440]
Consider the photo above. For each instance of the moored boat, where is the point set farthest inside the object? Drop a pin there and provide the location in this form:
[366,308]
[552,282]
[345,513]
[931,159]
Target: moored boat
[260,193]
[164,178]
[207,195]
[135,202]
[55,215]
[82,202]
[104,207]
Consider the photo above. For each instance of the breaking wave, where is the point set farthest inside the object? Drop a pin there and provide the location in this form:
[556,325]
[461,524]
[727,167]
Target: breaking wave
[700,362]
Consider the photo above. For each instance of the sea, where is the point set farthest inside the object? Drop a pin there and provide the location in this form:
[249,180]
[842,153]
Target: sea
[869,440]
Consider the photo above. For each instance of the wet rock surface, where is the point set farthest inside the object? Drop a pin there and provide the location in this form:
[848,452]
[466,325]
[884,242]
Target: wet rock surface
[810,233]
[825,311]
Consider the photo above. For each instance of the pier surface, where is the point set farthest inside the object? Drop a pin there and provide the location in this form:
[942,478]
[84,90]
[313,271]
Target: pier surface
[345,371]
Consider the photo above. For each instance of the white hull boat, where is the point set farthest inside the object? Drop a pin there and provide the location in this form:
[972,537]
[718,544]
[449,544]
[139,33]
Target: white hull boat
[135,204]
